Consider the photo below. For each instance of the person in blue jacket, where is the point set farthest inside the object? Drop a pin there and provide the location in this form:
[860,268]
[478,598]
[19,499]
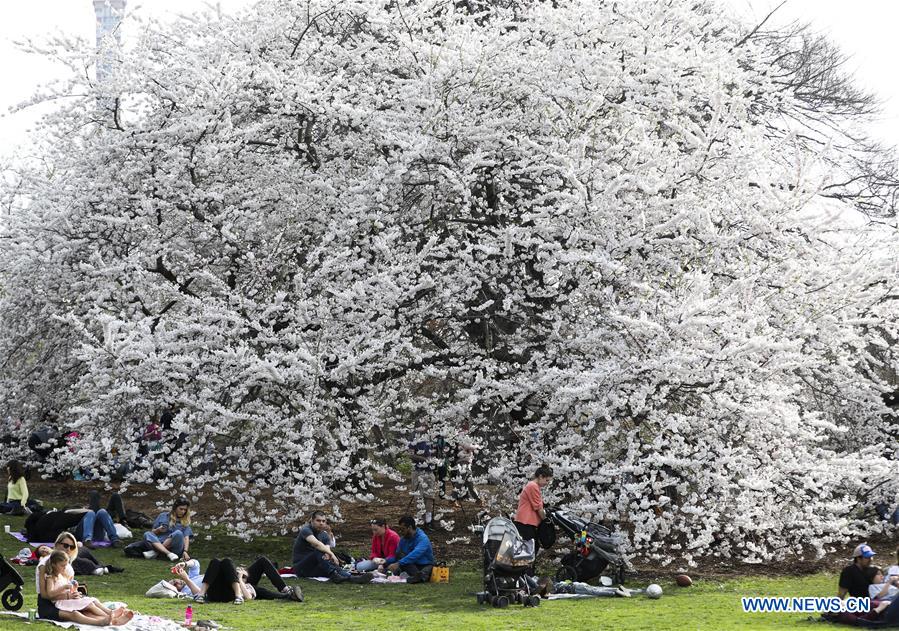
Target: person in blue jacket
[414,555]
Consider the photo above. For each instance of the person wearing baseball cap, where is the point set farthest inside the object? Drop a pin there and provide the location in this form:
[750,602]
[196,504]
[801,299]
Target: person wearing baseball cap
[854,579]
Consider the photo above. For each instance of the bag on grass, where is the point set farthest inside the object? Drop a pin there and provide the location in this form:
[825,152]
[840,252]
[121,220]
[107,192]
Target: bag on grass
[136,519]
[162,589]
[440,573]
[122,532]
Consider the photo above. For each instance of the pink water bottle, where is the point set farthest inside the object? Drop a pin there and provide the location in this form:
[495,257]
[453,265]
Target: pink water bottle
[188,616]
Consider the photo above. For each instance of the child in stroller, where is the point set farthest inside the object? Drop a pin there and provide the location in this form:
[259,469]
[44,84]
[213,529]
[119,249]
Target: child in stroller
[596,548]
[507,558]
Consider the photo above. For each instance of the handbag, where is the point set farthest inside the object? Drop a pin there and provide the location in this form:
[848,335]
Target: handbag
[440,573]
[162,589]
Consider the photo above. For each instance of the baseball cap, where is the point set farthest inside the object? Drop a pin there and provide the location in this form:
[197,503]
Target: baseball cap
[863,550]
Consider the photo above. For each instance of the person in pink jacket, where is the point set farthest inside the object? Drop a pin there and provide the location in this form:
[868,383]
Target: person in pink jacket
[383,545]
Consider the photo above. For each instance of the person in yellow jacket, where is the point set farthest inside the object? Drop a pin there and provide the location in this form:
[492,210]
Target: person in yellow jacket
[16,489]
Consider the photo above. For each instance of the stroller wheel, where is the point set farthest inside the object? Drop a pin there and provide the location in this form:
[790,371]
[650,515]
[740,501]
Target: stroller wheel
[532,601]
[12,600]
[500,602]
[566,573]
[481,597]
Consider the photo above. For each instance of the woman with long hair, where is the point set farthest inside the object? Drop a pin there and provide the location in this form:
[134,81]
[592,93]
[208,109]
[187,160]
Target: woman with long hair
[16,489]
[171,533]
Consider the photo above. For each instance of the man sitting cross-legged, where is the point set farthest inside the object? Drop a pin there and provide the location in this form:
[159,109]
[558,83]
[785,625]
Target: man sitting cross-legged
[414,555]
[313,557]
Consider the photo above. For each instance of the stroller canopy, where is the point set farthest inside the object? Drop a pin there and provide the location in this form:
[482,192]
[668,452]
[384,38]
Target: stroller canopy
[511,551]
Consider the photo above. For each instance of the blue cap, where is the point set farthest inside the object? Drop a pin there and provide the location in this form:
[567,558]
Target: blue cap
[864,550]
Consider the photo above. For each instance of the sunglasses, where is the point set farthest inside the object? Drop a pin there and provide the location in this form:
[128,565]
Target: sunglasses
[67,546]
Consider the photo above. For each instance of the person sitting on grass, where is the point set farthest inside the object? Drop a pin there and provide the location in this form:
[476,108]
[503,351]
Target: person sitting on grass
[313,557]
[16,490]
[59,599]
[882,588]
[81,559]
[223,582]
[413,555]
[171,533]
[854,579]
[384,542]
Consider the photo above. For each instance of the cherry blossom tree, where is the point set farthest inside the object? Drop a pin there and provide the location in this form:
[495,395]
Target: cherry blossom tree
[588,229]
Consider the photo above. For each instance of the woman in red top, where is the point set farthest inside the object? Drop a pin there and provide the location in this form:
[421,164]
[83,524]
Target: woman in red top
[530,505]
[383,545]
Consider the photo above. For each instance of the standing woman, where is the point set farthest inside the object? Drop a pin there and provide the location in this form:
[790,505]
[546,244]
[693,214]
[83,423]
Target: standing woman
[16,489]
[530,505]
[171,533]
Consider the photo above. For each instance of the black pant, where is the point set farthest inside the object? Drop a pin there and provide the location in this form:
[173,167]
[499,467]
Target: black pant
[255,572]
[220,576]
[415,571]
[529,533]
[115,507]
[86,562]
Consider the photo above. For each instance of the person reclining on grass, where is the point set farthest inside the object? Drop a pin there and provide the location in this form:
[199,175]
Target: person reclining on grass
[313,557]
[414,554]
[882,588]
[223,582]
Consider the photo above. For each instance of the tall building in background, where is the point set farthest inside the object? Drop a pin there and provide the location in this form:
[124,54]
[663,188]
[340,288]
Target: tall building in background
[109,16]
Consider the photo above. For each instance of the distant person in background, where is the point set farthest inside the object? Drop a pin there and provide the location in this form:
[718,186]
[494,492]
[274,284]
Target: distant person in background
[16,490]
[466,448]
[423,479]
[384,542]
[530,506]
[171,533]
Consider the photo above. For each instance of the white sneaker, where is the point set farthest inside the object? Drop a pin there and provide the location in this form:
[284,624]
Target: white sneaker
[150,554]
[98,572]
[173,557]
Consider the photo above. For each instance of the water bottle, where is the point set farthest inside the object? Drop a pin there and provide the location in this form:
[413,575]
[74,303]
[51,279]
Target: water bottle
[188,616]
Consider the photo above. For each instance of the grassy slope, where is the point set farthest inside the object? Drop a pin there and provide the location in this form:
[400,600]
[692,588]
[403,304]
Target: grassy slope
[706,605]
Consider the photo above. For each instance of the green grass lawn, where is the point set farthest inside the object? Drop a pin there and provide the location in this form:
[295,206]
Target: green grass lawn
[708,604]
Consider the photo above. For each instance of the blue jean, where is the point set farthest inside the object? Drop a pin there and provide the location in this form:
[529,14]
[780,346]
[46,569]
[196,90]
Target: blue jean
[176,543]
[96,527]
[10,506]
[366,565]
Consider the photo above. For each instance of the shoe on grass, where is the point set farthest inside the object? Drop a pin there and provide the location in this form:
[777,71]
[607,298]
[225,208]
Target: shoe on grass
[238,600]
[361,579]
[113,569]
[150,554]
[295,593]
[172,557]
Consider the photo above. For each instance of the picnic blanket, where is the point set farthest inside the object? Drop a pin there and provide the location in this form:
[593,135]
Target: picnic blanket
[21,537]
[140,622]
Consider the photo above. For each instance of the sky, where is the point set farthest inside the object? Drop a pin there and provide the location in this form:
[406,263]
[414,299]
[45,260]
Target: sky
[864,29]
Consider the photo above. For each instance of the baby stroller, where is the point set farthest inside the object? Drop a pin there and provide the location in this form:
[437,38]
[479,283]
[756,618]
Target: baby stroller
[11,585]
[596,548]
[507,558]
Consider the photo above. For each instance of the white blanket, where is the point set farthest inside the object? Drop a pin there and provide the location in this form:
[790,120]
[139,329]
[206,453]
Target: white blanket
[140,622]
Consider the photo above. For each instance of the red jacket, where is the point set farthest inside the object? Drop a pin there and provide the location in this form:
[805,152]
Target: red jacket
[384,547]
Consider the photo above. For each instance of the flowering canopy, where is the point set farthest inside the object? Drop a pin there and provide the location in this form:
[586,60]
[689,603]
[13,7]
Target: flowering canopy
[582,227]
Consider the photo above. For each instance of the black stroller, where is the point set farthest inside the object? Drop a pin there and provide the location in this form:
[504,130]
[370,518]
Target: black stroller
[596,549]
[11,584]
[507,558]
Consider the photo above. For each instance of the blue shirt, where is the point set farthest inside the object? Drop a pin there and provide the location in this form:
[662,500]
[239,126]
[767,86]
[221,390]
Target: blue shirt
[163,520]
[414,551]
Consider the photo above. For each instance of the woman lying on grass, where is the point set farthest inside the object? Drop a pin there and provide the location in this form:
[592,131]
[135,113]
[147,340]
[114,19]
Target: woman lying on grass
[223,582]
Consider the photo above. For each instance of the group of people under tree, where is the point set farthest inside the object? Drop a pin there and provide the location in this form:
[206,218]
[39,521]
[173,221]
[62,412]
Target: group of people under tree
[436,463]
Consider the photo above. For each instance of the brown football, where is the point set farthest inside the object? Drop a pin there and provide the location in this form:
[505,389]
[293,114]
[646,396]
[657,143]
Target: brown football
[683,580]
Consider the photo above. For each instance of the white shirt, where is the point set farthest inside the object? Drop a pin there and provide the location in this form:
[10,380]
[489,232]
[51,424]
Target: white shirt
[874,589]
